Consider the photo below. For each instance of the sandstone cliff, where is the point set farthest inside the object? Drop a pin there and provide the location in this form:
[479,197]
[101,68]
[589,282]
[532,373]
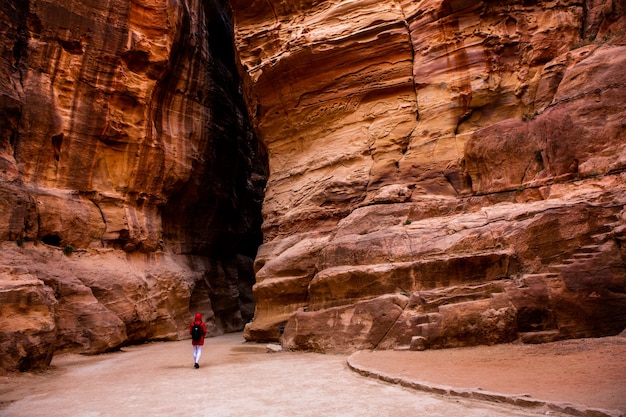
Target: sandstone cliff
[130,180]
[444,171]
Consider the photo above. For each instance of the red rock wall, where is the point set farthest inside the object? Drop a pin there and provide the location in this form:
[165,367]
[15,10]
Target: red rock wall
[130,180]
[452,170]
[445,170]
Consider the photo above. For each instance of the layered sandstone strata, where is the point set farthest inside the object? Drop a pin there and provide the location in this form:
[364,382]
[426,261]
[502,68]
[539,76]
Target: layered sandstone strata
[130,181]
[450,170]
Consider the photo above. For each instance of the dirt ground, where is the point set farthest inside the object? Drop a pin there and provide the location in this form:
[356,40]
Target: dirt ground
[590,373]
[237,378]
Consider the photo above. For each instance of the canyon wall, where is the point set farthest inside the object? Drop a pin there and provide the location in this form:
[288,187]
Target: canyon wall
[130,179]
[439,173]
[442,173]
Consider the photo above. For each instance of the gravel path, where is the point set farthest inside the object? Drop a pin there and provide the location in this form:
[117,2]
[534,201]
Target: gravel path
[235,379]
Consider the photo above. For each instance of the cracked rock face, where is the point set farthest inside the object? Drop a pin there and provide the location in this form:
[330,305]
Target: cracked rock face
[449,170]
[130,180]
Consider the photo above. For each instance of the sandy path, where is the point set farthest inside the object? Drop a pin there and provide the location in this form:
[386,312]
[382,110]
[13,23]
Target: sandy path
[590,373]
[235,379]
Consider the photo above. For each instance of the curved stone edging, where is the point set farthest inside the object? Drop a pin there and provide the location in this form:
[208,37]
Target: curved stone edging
[525,401]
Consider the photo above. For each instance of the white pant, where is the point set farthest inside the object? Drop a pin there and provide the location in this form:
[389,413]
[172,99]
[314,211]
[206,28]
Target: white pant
[197,352]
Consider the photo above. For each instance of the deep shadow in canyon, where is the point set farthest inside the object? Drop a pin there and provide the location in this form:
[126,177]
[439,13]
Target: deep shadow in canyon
[216,214]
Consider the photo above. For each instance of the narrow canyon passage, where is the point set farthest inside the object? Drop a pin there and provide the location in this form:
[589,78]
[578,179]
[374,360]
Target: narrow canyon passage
[234,379]
[330,175]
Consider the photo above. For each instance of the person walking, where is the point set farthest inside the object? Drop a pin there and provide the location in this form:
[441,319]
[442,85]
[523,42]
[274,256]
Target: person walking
[197,330]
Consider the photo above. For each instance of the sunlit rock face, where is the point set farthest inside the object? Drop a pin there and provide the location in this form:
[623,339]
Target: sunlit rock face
[130,180]
[451,170]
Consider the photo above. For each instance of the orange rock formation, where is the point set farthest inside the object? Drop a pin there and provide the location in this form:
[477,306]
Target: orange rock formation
[442,172]
[449,170]
[130,180]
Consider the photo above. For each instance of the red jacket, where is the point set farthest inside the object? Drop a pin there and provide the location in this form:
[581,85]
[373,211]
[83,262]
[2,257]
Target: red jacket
[197,320]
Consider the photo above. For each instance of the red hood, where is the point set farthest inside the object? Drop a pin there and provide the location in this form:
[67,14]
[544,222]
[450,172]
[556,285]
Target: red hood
[198,317]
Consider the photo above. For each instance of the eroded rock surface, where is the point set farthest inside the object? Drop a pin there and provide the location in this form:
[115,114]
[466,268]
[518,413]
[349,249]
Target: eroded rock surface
[452,170]
[130,180]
